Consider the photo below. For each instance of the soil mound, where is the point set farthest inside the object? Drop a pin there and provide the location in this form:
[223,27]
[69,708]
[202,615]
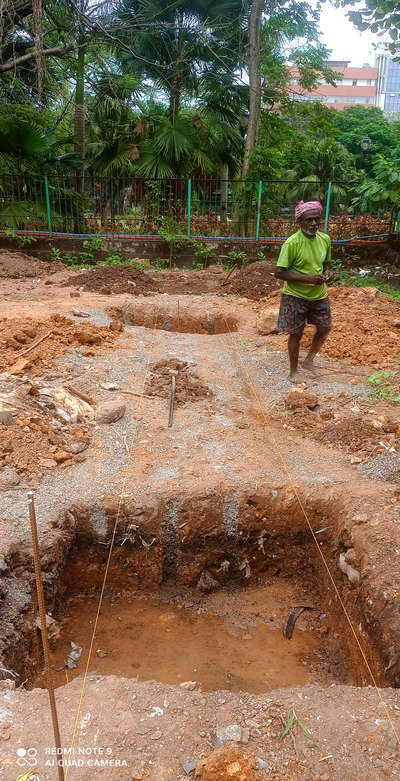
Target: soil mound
[365,326]
[113,280]
[17,265]
[353,433]
[16,336]
[253,281]
[126,279]
[189,387]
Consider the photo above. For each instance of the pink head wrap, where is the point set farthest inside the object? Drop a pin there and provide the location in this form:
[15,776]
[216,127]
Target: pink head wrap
[303,207]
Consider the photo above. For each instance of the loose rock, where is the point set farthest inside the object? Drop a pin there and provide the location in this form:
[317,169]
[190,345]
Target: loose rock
[267,321]
[8,478]
[110,411]
[299,398]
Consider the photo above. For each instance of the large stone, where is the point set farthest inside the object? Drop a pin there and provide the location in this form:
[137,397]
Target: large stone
[301,399]
[267,321]
[110,411]
[8,478]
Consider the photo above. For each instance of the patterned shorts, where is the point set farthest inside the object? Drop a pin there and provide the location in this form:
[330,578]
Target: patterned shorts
[295,312]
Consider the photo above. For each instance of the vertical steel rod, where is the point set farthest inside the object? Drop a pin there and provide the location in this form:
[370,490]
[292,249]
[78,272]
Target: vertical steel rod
[43,627]
[328,204]
[172,400]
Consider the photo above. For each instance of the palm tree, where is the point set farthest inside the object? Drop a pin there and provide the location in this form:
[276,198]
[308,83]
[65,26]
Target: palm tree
[331,163]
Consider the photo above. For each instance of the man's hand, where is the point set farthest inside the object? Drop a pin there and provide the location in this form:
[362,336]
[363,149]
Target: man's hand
[314,279]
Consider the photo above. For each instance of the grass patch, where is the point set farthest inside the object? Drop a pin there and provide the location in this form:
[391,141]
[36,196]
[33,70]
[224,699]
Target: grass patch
[346,278]
[386,384]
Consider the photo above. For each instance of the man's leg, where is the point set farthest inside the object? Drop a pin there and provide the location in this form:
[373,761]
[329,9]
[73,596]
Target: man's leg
[293,350]
[316,344]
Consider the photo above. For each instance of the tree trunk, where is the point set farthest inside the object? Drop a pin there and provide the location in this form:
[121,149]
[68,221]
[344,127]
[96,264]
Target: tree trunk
[80,143]
[254,60]
[224,182]
[176,78]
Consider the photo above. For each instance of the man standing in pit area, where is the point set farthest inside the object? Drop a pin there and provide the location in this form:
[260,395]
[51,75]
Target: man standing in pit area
[302,264]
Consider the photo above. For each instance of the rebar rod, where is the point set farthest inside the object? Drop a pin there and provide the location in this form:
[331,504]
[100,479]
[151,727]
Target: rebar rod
[43,629]
[172,400]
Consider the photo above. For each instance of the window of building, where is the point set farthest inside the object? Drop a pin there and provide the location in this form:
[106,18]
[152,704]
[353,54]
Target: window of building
[354,82]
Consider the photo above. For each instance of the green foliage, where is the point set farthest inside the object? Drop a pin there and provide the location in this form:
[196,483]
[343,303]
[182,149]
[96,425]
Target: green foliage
[20,239]
[56,255]
[171,231]
[383,191]
[291,722]
[160,263]
[378,16]
[357,122]
[204,252]
[235,258]
[386,385]
[114,259]
[329,161]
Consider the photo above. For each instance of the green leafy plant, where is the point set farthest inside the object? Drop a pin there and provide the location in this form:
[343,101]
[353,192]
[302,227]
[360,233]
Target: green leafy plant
[56,255]
[171,232]
[114,259]
[160,263]
[137,264]
[20,239]
[235,258]
[291,722]
[260,255]
[204,252]
[386,384]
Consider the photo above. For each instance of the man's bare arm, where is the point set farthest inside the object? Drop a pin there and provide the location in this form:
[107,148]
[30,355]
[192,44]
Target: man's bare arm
[294,276]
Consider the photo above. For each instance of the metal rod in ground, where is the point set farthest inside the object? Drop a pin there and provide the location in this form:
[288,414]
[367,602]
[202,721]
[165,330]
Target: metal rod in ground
[43,627]
[173,374]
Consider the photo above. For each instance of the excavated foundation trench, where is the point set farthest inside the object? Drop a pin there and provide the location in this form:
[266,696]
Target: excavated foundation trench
[181,321]
[199,588]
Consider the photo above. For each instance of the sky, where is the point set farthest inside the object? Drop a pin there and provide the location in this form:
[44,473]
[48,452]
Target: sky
[346,42]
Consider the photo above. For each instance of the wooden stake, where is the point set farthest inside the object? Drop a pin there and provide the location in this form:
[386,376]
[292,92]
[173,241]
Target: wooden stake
[43,628]
[35,344]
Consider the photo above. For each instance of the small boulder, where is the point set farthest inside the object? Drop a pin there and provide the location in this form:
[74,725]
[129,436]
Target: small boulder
[78,446]
[110,411]
[85,335]
[301,399]
[267,321]
[8,478]
[6,418]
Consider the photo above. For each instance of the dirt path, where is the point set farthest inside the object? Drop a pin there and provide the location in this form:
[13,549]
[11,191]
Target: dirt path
[208,519]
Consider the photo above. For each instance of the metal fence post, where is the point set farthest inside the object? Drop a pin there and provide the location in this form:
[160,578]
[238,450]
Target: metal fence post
[328,203]
[260,187]
[46,190]
[189,208]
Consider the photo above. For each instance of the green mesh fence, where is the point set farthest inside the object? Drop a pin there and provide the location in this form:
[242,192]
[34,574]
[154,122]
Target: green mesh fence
[201,207]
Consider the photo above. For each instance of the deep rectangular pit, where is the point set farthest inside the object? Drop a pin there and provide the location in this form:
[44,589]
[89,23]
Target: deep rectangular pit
[208,602]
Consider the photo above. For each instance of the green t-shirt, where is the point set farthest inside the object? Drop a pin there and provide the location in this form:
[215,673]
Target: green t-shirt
[305,256]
